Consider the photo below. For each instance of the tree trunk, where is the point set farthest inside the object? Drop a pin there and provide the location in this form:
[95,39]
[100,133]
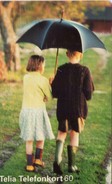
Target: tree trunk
[11,49]
[3,69]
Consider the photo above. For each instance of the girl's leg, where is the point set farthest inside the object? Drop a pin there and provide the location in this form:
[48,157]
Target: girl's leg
[29,147]
[39,153]
[29,155]
[40,144]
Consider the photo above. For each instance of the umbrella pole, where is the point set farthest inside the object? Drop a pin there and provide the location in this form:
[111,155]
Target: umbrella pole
[56,62]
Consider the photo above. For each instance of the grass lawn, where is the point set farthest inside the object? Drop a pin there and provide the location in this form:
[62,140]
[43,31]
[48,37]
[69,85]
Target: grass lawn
[94,141]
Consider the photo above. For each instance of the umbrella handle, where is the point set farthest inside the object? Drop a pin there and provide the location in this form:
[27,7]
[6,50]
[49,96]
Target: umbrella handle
[62,11]
[56,62]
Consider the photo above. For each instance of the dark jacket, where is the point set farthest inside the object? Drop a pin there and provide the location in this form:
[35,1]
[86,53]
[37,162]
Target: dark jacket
[72,86]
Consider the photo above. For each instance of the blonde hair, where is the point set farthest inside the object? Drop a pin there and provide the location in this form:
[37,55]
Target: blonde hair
[75,54]
[34,63]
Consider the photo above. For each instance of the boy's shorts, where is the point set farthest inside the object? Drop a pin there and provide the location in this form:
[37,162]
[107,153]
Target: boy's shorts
[76,124]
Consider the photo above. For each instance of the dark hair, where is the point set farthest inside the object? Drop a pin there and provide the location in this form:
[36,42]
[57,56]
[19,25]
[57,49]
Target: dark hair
[34,63]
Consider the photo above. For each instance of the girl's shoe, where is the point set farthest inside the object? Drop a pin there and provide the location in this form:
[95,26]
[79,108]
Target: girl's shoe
[30,160]
[30,168]
[39,162]
[38,157]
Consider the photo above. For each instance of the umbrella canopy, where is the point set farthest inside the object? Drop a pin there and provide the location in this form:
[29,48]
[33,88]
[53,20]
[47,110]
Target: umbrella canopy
[56,33]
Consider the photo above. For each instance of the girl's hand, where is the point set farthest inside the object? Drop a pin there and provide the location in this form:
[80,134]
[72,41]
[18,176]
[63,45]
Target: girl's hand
[45,99]
[51,80]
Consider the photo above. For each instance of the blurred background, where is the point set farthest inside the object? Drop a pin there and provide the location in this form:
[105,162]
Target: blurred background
[17,16]
[95,143]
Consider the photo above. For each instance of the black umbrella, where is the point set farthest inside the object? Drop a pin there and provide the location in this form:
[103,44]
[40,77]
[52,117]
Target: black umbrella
[56,33]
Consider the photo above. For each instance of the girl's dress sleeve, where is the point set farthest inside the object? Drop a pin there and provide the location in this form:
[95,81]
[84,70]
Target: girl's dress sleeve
[46,88]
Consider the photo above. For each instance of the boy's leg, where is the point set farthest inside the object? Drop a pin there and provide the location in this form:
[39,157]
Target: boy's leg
[72,149]
[58,152]
[74,138]
[61,136]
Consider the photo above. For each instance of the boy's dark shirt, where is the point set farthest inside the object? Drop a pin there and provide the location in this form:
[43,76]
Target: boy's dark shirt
[72,86]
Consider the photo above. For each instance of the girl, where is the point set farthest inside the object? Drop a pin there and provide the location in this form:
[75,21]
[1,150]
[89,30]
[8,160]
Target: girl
[34,121]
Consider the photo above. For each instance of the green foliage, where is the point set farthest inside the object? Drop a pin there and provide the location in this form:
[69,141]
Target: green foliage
[74,10]
[51,9]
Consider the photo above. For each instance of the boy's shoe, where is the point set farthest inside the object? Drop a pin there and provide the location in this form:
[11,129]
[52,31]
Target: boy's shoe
[71,159]
[57,168]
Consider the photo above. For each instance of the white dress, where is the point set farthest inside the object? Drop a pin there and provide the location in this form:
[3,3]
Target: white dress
[35,124]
